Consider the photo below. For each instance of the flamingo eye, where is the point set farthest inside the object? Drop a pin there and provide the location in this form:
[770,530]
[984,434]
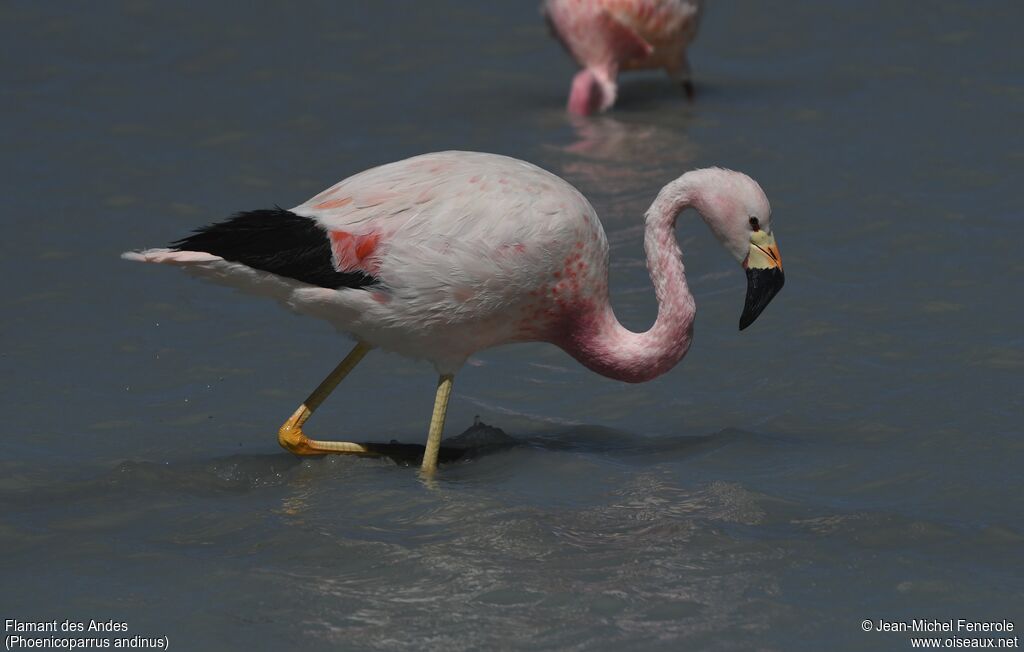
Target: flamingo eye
[755,224]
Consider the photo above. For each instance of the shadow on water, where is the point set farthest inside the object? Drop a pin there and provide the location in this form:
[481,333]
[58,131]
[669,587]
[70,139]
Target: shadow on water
[483,440]
[249,472]
[617,443]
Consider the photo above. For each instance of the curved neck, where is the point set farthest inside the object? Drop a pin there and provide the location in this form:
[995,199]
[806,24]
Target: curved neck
[606,346]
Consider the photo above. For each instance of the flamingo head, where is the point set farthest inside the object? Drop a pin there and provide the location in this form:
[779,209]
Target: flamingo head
[737,210]
[592,92]
[765,277]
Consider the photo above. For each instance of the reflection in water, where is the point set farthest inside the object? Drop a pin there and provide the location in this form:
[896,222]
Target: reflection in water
[649,551]
[296,503]
[619,158]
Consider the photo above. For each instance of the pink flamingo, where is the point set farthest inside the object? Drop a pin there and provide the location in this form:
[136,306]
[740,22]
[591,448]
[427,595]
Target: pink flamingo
[445,254]
[606,36]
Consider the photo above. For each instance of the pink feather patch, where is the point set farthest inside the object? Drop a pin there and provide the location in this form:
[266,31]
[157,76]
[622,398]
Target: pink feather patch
[623,41]
[354,252]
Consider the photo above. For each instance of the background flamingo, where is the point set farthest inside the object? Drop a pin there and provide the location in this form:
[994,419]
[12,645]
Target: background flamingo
[441,255]
[606,36]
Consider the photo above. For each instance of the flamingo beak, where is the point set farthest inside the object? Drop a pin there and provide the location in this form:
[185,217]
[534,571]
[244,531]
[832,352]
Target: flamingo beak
[764,275]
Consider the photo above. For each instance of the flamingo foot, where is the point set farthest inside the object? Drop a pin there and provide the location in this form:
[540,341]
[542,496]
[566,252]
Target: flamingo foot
[293,440]
[290,435]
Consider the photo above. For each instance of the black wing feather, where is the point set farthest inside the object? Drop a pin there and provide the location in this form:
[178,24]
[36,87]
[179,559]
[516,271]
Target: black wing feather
[275,241]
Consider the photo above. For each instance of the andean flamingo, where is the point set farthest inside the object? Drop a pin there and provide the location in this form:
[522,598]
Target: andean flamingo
[445,254]
[606,36]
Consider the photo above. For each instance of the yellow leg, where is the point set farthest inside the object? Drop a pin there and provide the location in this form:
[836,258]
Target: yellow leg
[444,392]
[291,437]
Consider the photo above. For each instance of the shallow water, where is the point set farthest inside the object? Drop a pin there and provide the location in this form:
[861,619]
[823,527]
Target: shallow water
[855,454]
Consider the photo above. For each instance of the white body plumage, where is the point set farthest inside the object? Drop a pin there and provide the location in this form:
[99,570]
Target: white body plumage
[466,247]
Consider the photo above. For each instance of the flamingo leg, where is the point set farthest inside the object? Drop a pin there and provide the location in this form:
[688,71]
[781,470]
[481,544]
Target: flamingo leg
[682,75]
[444,392]
[290,435]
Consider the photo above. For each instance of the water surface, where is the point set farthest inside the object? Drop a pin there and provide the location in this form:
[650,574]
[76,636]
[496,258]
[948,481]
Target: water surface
[855,454]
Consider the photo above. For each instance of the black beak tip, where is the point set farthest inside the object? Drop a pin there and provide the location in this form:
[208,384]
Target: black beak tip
[762,286]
